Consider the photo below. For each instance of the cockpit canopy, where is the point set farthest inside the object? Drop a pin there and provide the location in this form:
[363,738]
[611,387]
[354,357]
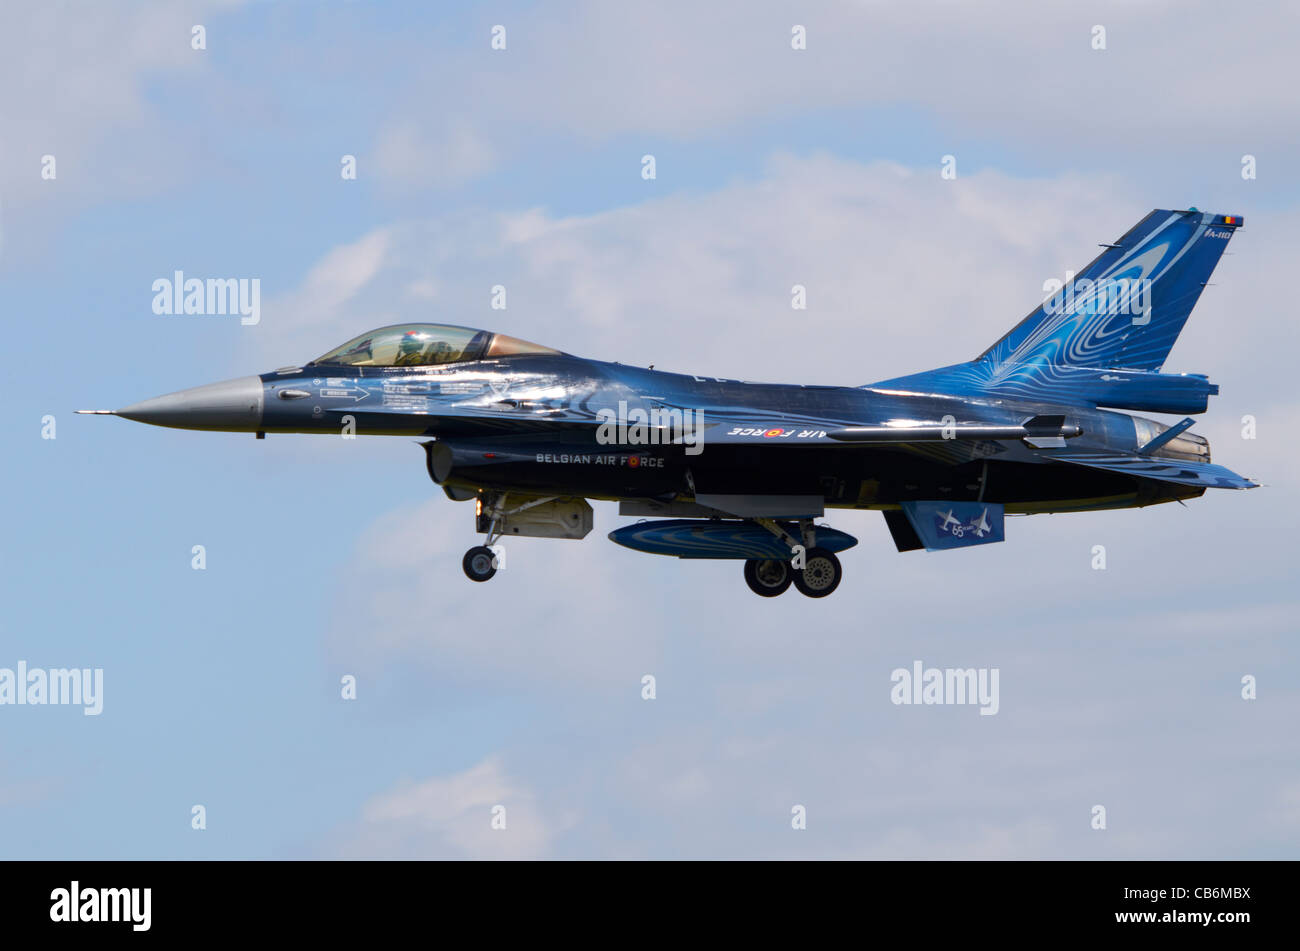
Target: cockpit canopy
[422,345]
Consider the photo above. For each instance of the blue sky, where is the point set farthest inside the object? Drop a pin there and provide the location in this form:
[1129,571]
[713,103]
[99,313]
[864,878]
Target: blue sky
[522,167]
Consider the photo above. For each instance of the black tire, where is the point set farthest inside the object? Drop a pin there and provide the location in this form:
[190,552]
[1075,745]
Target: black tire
[479,563]
[820,575]
[768,577]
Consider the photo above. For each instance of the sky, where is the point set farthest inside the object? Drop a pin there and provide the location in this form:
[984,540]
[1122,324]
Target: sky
[523,167]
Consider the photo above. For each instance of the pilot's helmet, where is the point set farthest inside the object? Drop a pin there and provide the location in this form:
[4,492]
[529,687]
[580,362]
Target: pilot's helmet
[411,343]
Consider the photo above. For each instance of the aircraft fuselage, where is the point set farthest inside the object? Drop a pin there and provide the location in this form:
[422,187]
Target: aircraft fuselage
[501,453]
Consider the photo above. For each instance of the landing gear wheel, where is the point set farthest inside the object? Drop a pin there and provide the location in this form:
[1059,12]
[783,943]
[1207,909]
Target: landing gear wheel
[479,563]
[768,576]
[820,575]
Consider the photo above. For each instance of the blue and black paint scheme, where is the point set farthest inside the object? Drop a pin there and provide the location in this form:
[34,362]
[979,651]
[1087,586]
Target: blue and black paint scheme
[1035,424]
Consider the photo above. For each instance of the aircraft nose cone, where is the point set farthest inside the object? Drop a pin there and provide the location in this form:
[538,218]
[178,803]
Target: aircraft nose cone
[233,406]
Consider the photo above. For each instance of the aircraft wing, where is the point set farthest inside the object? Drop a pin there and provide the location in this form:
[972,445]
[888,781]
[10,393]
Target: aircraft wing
[1164,470]
[964,441]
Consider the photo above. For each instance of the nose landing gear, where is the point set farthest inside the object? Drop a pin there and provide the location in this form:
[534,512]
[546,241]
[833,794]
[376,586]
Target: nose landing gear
[480,563]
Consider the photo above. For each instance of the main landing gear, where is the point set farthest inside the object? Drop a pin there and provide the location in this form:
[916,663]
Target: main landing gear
[768,577]
[818,576]
[821,573]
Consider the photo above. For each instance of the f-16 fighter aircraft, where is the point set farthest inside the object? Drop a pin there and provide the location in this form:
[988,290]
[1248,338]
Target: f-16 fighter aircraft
[720,468]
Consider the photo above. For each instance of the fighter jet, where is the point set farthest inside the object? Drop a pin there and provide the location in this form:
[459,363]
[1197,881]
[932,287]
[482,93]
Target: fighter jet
[720,468]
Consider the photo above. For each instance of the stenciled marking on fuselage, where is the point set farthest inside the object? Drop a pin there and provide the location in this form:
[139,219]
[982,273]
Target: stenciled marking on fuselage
[343,389]
[460,388]
[599,459]
[409,393]
[777,432]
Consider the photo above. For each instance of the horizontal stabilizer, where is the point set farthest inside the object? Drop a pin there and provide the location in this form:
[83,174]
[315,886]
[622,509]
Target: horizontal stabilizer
[1179,471]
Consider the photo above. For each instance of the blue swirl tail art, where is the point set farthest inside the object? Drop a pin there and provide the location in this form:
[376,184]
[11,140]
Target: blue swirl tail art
[1103,337]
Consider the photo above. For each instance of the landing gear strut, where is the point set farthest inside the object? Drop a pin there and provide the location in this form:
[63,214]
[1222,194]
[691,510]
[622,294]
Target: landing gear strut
[499,514]
[480,562]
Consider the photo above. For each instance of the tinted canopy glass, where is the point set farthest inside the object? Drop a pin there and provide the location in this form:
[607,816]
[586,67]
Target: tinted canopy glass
[410,345]
[420,345]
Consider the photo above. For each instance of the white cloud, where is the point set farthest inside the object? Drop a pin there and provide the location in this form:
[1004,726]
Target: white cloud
[74,84]
[703,283]
[408,154]
[1025,73]
[333,294]
[451,817]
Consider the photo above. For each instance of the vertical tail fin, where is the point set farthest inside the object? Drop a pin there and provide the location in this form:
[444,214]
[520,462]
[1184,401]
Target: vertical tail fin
[1127,307]
[1103,337]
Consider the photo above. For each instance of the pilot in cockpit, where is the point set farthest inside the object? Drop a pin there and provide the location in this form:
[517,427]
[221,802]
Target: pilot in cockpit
[409,349]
